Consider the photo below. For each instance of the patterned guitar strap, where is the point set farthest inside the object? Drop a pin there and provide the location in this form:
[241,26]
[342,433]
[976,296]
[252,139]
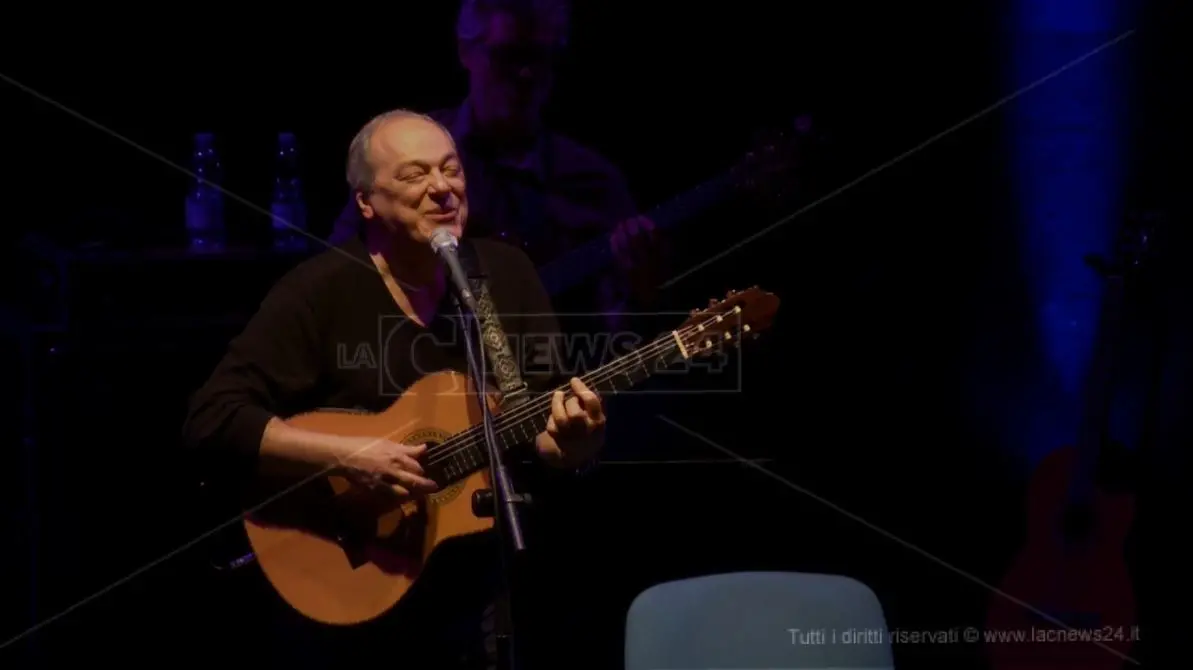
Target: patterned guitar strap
[497,347]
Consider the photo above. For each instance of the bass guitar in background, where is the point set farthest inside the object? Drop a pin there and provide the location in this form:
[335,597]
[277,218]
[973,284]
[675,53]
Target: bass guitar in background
[1072,567]
[771,172]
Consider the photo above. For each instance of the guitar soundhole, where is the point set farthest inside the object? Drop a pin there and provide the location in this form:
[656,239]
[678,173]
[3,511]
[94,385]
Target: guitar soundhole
[1077,523]
[436,473]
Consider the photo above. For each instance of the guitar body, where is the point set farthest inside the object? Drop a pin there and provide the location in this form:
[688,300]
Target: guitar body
[1075,602]
[381,548]
[1084,583]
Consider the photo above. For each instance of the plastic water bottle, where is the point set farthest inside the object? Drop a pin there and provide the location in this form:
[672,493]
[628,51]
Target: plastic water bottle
[205,202]
[288,208]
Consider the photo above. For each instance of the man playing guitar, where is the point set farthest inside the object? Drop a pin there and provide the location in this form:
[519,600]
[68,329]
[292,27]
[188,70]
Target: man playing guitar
[356,325]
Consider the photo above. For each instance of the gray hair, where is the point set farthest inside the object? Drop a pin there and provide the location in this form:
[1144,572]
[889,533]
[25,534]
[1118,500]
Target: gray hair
[360,171]
[473,21]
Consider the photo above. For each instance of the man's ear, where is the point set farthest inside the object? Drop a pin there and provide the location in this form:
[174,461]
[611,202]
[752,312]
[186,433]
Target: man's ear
[362,203]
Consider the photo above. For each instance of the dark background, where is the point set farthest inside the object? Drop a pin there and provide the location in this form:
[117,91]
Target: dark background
[858,393]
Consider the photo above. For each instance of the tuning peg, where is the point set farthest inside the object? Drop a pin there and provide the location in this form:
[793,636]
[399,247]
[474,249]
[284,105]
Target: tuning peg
[730,294]
[712,302]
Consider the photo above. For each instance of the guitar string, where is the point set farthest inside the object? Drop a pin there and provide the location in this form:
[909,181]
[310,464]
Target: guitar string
[474,435]
[559,274]
[463,440]
[467,439]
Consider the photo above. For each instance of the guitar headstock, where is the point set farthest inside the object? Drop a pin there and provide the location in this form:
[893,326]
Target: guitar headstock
[770,169]
[1133,247]
[1137,238]
[726,322]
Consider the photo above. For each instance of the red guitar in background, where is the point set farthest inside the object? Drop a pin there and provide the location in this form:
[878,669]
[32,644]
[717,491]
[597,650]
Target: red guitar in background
[1072,567]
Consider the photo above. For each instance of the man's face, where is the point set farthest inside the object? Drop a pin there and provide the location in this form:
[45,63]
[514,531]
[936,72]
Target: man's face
[418,182]
[511,70]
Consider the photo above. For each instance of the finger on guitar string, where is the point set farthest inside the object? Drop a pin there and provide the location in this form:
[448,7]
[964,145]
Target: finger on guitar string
[409,481]
[394,491]
[559,415]
[575,412]
[587,399]
[579,421]
[386,463]
[371,443]
[408,457]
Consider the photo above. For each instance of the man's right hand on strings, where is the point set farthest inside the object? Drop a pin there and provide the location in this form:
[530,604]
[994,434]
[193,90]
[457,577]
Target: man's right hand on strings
[381,464]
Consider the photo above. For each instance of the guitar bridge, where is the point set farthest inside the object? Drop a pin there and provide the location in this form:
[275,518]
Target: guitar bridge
[355,550]
[402,531]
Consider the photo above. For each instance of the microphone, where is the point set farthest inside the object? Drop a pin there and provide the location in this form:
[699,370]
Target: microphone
[445,245]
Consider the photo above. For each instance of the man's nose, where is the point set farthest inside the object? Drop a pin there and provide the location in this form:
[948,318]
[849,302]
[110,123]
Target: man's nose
[438,184]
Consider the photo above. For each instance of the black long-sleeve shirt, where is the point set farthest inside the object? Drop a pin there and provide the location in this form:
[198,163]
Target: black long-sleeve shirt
[329,335]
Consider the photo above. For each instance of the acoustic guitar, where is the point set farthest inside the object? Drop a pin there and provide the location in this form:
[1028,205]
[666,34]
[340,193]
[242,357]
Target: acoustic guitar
[1072,569]
[340,555]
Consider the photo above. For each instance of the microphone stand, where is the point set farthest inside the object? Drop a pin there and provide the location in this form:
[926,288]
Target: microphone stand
[501,502]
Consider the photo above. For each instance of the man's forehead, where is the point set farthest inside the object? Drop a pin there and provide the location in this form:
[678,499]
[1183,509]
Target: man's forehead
[410,139]
[506,28]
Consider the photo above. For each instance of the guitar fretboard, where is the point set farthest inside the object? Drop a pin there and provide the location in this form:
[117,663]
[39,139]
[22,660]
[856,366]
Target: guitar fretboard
[466,452]
[589,259]
[1099,390]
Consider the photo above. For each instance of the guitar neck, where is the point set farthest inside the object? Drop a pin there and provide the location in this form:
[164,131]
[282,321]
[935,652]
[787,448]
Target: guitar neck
[466,452]
[1098,392]
[590,259]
